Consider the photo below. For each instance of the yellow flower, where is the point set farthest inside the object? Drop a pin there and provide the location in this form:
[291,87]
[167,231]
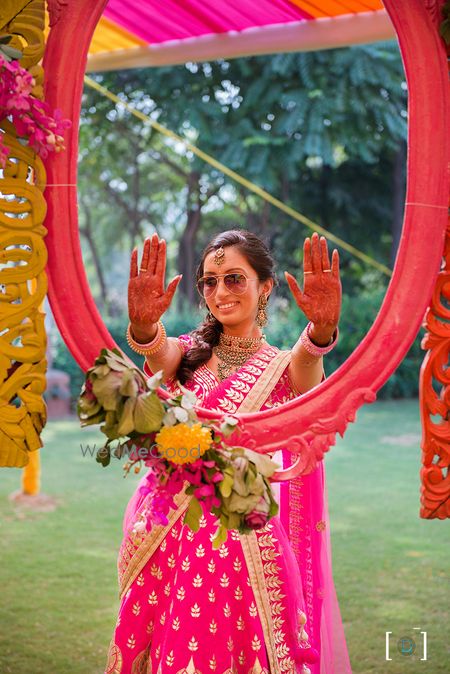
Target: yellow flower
[182,443]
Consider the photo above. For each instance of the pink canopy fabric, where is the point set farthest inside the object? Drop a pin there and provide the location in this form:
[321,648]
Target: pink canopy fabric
[134,33]
[154,21]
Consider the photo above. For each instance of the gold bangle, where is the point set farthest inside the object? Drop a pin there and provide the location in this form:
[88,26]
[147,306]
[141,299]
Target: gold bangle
[152,347]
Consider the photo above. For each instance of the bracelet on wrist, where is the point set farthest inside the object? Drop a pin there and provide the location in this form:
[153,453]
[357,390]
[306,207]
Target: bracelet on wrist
[150,348]
[313,349]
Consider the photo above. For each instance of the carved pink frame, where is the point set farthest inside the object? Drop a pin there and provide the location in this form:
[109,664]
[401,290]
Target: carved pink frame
[308,425]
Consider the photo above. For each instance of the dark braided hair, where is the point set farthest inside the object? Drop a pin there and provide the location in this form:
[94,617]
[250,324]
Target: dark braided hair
[206,336]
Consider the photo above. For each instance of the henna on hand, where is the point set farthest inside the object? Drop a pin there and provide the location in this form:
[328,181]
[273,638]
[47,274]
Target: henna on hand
[147,299]
[321,297]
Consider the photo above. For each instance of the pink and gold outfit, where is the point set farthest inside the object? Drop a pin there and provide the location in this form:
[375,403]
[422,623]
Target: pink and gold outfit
[255,605]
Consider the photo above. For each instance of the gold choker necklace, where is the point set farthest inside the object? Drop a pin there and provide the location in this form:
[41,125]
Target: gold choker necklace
[234,351]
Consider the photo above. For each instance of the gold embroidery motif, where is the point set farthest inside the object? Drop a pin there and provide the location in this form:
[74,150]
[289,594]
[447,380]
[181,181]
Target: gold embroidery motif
[193,644]
[240,623]
[224,580]
[237,565]
[223,551]
[256,643]
[153,598]
[321,525]
[238,594]
[198,581]
[115,660]
[200,551]
[195,611]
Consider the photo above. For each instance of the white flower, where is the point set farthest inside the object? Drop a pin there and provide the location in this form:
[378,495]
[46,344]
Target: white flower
[155,381]
[139,527]
[169,419]
[181,414]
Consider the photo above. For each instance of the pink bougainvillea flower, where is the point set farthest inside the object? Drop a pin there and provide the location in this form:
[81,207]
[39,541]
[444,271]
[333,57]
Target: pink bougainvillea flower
[31,117]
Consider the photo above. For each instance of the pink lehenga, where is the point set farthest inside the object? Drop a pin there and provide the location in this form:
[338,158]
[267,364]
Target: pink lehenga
[257,604]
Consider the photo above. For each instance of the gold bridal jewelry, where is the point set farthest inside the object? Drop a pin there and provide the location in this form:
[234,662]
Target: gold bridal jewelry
[233,352]
[261,316]
[219,256]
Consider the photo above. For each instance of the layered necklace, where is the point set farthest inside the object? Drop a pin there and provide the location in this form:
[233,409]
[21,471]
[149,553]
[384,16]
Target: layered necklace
[233,352]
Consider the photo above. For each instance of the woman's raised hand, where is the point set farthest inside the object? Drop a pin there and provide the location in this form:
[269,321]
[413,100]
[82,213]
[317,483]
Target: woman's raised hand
[321,298]
[147,299]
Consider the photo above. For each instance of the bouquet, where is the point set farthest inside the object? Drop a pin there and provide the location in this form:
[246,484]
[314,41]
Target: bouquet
[182,453]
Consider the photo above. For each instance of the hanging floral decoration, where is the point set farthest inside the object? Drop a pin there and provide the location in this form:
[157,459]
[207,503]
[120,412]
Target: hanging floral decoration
[33,120]
[182,453]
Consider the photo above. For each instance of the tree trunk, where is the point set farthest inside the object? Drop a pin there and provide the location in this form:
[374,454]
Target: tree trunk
[86,231]
[398,197]
[186,251]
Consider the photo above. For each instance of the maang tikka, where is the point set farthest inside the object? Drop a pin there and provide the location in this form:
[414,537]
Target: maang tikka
[219,256]
[261,316]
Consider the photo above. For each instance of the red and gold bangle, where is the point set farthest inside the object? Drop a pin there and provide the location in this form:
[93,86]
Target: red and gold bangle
[312,348]
[152,347]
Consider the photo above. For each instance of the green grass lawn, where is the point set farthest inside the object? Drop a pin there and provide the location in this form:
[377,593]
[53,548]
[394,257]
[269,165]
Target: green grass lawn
[58,569]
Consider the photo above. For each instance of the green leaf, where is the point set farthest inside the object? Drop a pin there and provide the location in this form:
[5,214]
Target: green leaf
[263,463]
[126,420]
[226,485]
[193,514]
[148,413]
[129,386]
[221,536]
[234,521]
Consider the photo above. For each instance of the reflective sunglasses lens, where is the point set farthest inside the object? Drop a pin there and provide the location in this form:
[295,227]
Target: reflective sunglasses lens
[207,285]
[236,283]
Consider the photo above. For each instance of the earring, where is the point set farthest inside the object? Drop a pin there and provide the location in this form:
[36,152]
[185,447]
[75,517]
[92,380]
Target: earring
[261,316]
[209,316]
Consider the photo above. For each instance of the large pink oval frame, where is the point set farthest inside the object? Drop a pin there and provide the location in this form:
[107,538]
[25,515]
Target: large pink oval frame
[308,425]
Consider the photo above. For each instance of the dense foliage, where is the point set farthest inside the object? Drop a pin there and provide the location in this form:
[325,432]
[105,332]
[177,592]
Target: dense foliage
[325,132]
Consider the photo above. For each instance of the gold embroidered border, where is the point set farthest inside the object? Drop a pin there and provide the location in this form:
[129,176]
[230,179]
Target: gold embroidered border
[151,542]
[255,569]
[266,382]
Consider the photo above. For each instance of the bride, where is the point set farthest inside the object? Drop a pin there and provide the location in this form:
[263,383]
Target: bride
[264,602]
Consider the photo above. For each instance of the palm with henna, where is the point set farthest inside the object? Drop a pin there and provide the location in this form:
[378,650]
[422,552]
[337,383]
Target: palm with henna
[147,299]
[321,297]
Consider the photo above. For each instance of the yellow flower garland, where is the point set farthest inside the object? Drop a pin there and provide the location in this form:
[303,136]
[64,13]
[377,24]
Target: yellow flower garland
[182,443]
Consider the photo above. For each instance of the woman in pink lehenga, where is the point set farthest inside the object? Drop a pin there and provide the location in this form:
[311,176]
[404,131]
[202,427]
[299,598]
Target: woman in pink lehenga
[264,602]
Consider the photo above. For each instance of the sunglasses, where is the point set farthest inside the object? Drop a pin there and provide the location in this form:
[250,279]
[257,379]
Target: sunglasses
[235,282]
